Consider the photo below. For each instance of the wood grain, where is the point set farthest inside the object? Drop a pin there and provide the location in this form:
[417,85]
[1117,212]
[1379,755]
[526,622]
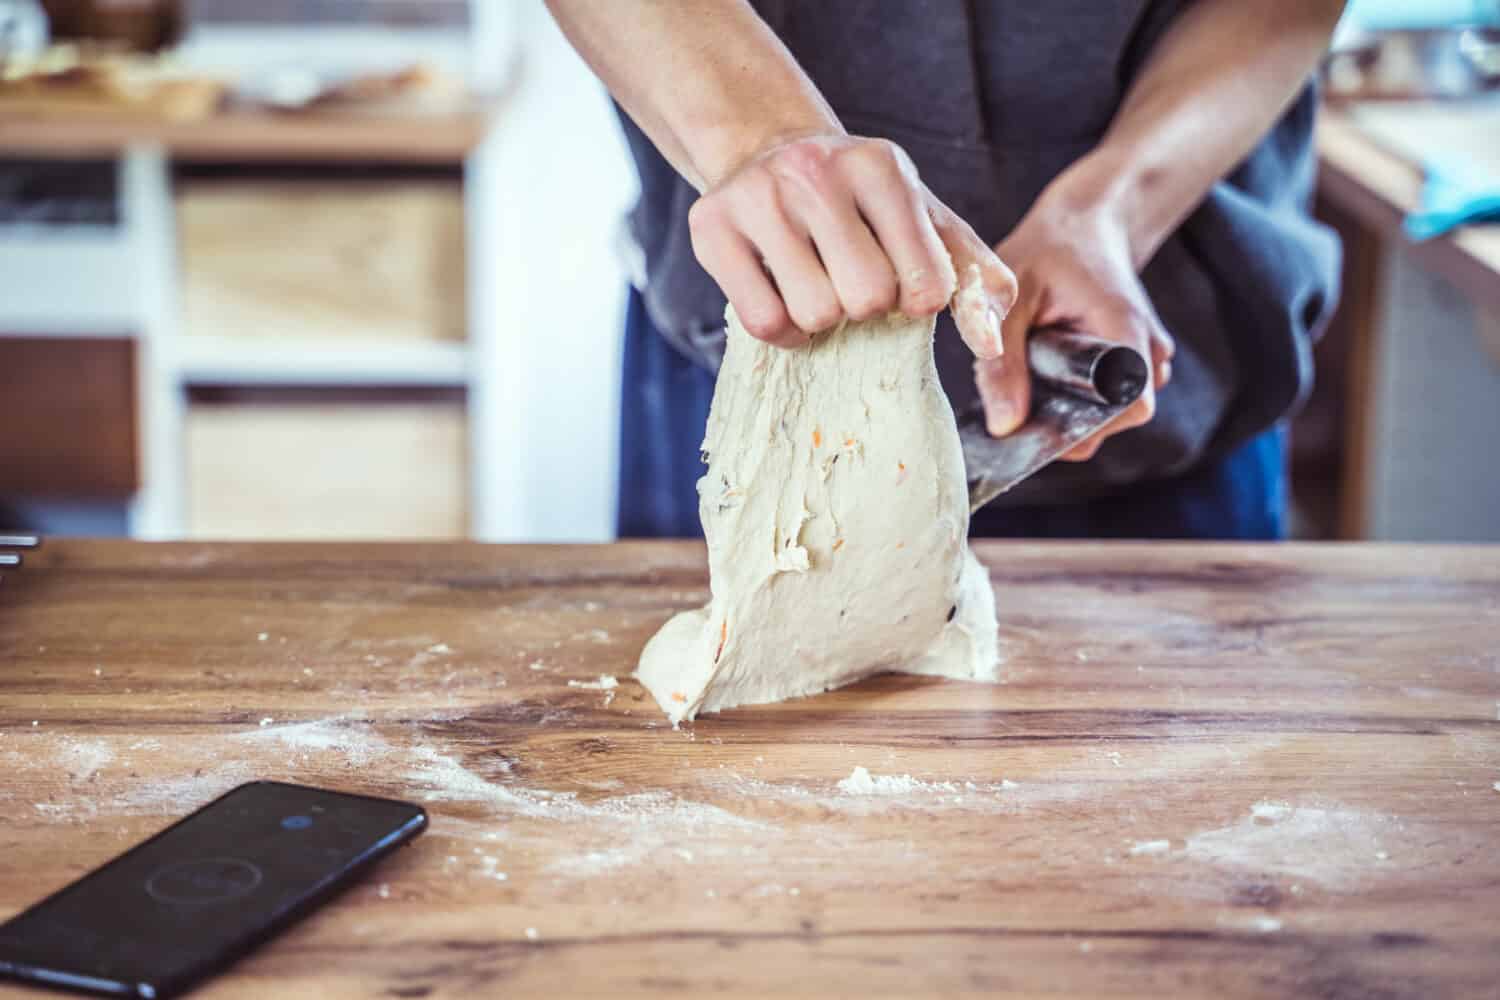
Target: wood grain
[1312,731]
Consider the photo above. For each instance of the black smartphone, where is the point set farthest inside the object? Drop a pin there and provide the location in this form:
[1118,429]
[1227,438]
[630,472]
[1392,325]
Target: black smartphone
[204,891]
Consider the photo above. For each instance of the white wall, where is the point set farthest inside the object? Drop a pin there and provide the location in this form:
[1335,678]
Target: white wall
[547,296]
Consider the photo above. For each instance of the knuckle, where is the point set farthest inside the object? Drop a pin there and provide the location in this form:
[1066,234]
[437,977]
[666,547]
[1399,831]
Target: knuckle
[803,159]
[787,337]
[763,322]
[926,298]
[873,300]
[1124,309]
[753,187]
[925,291]
[887,152]
[812,319]
[881,156]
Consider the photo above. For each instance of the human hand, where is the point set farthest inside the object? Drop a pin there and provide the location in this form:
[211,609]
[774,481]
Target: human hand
[826,227]
[1076,269]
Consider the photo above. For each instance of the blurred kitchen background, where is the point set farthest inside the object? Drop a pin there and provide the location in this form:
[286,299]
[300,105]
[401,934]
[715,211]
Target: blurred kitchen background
[350,268]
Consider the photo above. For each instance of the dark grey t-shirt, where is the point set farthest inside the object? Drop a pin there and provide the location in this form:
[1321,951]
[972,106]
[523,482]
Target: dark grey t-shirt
[994,98]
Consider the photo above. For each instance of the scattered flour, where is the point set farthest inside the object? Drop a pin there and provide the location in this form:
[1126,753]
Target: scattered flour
[170,796]
[1331,845]
[1150,847]
[627,830]
[358,742]
[862,782]
[1270,810]
[445,779]
[592,863]
[82,758]
[440,647]
[862,793]
[606,682]
[1260,923]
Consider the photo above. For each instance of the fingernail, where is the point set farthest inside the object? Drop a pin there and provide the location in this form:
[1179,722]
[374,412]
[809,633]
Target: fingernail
[992,321]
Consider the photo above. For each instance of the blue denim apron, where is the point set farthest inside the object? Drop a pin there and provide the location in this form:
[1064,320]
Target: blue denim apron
[664,409]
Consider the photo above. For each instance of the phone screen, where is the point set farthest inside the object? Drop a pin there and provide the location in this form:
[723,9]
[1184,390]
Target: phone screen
[200,893]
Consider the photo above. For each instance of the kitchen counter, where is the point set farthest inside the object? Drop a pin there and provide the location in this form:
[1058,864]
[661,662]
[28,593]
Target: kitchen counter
[1409,361]
[1379,187]
[1222,771]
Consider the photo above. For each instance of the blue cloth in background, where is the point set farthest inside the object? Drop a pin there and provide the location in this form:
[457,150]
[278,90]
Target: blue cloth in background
[1240,497]
[664,409]
[663,412]
[1453,194]
[1389,15]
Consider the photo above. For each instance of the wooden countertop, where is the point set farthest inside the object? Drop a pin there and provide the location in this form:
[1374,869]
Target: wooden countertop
[1212,771]
[1381,187]
[329,136]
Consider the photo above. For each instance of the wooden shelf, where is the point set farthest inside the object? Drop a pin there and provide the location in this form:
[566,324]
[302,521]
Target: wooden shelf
[352,362]
[242,135]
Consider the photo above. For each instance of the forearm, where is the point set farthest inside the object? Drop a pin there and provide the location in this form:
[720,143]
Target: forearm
[1215,84]
[707,80]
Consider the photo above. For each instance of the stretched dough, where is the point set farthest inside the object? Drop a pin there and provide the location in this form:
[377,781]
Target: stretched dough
[837,515]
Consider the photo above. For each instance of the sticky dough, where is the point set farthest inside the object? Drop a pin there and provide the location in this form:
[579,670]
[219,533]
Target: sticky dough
[836,512]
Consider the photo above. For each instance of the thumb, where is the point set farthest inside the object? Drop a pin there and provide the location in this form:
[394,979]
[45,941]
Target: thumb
[986,287]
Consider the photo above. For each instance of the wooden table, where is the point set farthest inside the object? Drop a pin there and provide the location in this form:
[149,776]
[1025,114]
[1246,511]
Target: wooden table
[1211,771]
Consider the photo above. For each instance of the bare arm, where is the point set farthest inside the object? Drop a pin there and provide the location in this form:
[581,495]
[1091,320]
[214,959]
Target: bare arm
[1217,81]
[800,223]
[688,72]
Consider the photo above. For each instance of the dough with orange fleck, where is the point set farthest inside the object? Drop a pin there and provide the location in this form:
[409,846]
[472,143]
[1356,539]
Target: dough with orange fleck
[837,516]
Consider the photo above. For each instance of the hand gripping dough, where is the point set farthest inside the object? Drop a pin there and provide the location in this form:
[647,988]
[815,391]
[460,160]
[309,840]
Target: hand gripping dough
[837,516]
